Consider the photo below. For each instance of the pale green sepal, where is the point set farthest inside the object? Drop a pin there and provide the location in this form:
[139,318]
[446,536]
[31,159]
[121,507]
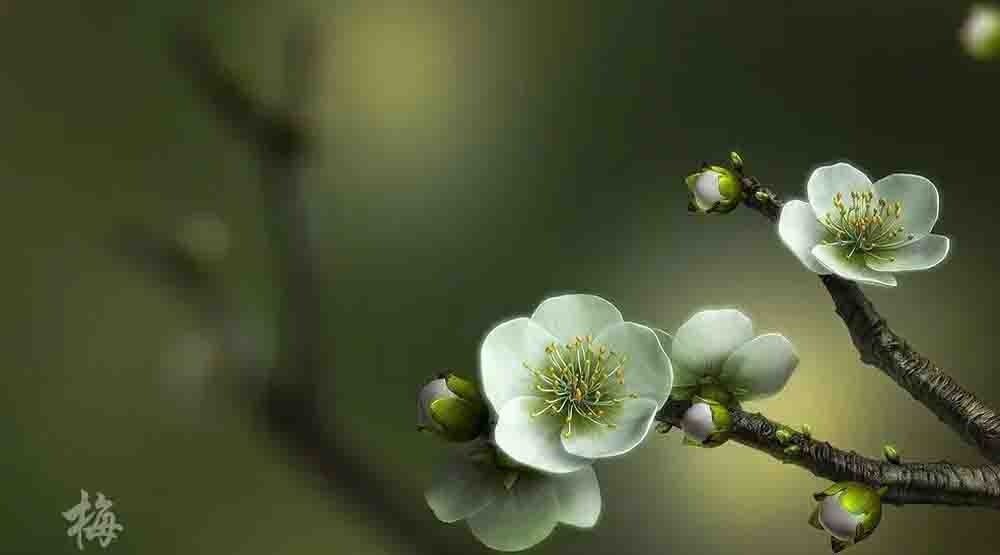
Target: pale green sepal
[459,419]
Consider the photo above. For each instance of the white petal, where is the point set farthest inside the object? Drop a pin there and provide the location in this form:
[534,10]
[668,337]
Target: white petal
[827,181]
[801,231]
[706,189]
[579,497]
[463,488]
[837,520]
[854,269]
[707,339]
[921,254]
[761,366]
[918,196]
[632,422]
[681,376]
[534,440]
[521,517]
[505,351]
[570,316]
[647,368]
[697,422]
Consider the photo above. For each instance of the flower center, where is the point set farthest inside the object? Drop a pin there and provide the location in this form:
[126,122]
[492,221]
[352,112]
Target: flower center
[869,224]
[581,380]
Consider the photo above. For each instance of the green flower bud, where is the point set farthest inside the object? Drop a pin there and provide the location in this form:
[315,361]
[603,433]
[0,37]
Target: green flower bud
[981,33]
[714,189]
[848,511]
[736,160]
[450,408]
[891,454]
[706,423]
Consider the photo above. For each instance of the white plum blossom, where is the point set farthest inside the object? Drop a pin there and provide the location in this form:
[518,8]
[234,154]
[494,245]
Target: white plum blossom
[572,383]
[511,509]
[861,231]
[718,362]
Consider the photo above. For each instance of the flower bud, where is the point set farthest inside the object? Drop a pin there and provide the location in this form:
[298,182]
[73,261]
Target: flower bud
[981,33]
[848,511]
[450,407]
[706,423]
[713,189]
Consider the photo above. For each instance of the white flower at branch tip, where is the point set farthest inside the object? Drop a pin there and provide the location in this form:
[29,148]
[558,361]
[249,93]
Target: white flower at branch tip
[718,363]
[572,383]
[980,34]
[861,231]
[511,509]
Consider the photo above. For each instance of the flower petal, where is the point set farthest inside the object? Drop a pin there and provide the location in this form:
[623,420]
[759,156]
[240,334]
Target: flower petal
[519,518]
[855,269]
[579,497]
[648,372]
[761,366]
[921,254]
[505,351]
[703,343]
[918,196]
[801,231]
[827,181]
[632,422]
[570,316]
[682,378]
[463,488]
[534,440]
[705,189]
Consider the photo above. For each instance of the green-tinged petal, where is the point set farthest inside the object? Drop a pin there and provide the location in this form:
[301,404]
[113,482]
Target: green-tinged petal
[579,497]
[534,441]
[648,372]
[434,390]
[682,378]
[761,367]
[826,181]
[571,316]
[705,189]
[632,422]
[838,521]
[505,351]
[918,196]
[462,489]
[522,517]
[705,341]
[854,268]
[801,231]
[698,422]
[921,254]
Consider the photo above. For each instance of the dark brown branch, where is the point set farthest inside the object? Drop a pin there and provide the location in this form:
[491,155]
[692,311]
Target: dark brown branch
[879,346]
[938,483]
[290,406]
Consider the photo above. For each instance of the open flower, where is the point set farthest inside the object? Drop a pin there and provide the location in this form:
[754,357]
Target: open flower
[509,508]
[862,231]
[572,383]
[848,511]
[717,363]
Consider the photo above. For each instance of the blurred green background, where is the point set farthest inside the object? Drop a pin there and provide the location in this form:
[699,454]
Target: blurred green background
[475,157]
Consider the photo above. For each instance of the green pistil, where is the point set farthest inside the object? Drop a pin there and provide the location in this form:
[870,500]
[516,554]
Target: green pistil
[868,225]
[577,382]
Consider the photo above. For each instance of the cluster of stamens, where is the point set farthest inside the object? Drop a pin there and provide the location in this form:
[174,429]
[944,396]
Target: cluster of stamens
[576,380]
[869,224]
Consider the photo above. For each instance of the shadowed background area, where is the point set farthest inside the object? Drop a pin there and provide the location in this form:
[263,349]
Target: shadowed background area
[473,158]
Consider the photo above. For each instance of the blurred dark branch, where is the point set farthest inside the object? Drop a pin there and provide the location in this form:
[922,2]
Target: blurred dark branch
[879,346]
[938,483]
[290,405]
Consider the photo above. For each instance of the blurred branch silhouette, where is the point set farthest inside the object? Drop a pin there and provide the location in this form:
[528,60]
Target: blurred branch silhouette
[288,407]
